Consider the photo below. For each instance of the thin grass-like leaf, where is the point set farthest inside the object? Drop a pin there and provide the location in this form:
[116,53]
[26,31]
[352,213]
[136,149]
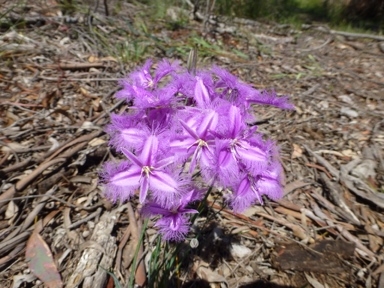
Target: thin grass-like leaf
[115,280]
[133,269]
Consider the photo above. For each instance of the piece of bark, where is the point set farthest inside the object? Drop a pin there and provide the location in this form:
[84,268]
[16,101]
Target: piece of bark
[97,256]
[326,256]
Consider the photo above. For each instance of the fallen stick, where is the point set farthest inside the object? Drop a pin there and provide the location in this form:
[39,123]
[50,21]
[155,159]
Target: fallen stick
[23,183]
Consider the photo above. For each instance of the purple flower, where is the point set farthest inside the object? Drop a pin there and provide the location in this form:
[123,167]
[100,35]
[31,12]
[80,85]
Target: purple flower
[269,98]
[269,182]
[177,119]
[223,167]
[174,224]
[250,187]
[244,146]
[112,191]
[143,89]
[142,77]
[201,95]
[245,193]
[196,138]
[147,173]
[130,131]
[231,88]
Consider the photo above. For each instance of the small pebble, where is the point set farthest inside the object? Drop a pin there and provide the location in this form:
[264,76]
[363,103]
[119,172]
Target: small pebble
[349,112]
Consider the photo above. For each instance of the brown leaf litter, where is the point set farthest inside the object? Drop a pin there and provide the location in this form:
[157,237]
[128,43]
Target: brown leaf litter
[57,81]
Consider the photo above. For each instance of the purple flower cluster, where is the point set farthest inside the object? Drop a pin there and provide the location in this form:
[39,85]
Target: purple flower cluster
[179,124]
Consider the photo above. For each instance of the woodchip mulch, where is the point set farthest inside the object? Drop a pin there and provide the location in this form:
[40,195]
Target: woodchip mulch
[57,80]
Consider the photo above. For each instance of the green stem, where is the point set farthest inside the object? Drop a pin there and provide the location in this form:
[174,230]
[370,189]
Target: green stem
[133,267]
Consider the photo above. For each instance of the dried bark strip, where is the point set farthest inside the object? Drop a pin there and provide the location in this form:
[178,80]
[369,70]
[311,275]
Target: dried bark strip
[330,259]
[89,270]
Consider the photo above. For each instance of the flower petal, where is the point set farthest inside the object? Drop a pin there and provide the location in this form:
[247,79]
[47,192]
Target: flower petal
[173,229]
[155,209]
[128,178]
[236,123]
[136,161]
[132,135]
[150,148]
[189,130]
[270,187]
[143,189]
[209,121]
[162,181]
[201,93]
[165,162]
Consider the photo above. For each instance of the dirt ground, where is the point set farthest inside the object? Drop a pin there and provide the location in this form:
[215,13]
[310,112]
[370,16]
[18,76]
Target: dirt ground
[58,74]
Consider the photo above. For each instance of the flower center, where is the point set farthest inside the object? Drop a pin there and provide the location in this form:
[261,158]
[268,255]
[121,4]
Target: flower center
[146,170]
[201,143]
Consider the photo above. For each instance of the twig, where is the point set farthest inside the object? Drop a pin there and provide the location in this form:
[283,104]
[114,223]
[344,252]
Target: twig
[8,244]
[358,243]
[26,180]
[310,90]
[320,168]
[86,219]
[250,221]
[345,233]
[350,73]
[38,196]
[5,157]
[31,216]
[336,195]
[13,253]
[297,230]
[78,79]
[325,203]
[349,34]
[335,173]
[76,66]
[357,35]
[106,8]
[123,242]
[26,150]
[71,143]
[367,194]
[280,40]
[306,212]
[329,40]
[21,184]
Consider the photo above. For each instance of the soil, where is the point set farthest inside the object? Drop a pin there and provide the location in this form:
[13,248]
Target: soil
[60,69]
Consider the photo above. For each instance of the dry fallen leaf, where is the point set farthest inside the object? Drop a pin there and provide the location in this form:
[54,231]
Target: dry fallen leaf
[40,261]
[349,153]
[96,142]
[314,282]
[297,151]
[92,59]
[240,251]
[11,212]
[13,146]
[211,276]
